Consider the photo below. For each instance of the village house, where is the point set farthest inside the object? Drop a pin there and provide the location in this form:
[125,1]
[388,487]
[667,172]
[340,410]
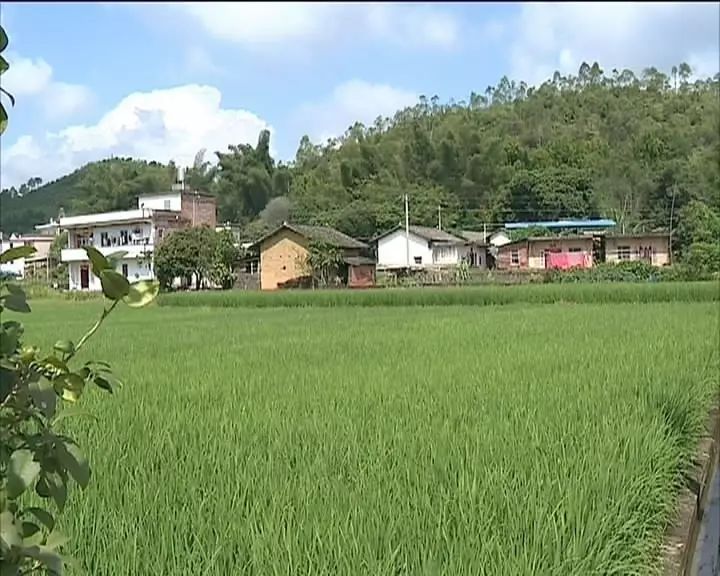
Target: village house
[284,252]
[136,233]
[36,265]
[540,253]
[652,247]
[423,247]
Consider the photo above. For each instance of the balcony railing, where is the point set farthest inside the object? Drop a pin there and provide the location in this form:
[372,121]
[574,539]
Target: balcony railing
[131,251]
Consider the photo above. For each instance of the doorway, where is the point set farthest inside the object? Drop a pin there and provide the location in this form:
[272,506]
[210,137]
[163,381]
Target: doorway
[84,277]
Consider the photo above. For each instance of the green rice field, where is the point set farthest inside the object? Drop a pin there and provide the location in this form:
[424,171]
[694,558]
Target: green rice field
[387,440]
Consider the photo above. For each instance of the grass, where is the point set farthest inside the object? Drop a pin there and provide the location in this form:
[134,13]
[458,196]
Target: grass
[460,296]
[377,441]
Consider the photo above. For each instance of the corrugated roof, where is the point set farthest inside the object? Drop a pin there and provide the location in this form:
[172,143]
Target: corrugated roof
[591,223]
[319,234]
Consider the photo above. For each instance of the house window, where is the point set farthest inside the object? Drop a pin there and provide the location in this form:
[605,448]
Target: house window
[166,204]
[124,237]
[575,249]
[125,270]
[104,239]
[623,252]
[418,259]
[515,258]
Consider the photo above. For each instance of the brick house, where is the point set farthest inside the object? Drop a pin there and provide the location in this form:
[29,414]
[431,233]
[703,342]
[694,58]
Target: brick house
[540,253]
[284,251]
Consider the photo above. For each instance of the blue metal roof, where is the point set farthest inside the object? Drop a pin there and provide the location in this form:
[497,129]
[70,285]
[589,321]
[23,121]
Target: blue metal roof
[600,223]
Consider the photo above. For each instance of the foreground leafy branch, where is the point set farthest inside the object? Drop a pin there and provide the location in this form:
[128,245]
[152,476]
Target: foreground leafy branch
[36,393]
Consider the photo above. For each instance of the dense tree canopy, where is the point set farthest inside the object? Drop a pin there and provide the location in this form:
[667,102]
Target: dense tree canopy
[643,150]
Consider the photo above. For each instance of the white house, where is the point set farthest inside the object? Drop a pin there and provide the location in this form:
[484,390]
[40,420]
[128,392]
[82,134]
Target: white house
[425,247]
[136,233]
[14,267]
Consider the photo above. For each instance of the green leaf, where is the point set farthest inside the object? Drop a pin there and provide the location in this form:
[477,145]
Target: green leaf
[22,471]
[3,39]
[64,346]
[10,530]
[114,285]
[43,396]
[15,253]
[3,65]
[47,557]
[73,460]
[55,540]
[16,303]
[99,262]
[142,293]
[70,386]
[14,289]
[3,118]
[103,383]
[43,516]
[29,529]
[55,362]
[10,96]
[57,489]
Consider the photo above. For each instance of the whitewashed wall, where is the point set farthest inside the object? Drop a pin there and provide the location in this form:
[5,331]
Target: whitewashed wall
[391,250]
[170,201]
[136,271]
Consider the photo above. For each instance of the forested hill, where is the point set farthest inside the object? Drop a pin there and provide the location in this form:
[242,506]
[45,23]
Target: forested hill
[637,149]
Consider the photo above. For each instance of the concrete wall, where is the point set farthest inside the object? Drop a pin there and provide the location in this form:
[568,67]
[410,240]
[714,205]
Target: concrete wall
[392,253]
[170,201]
[537,248]
[136,271]
[652,248]
[281,259]
[505,253]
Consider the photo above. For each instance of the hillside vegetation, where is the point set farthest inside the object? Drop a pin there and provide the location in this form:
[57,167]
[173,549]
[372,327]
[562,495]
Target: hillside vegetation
[642,150]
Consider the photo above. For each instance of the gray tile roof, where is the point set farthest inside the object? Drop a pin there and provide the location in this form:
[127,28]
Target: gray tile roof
[319,234]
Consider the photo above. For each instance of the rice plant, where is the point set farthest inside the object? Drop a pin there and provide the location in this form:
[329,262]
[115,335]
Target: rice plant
[400,440]
[458,296]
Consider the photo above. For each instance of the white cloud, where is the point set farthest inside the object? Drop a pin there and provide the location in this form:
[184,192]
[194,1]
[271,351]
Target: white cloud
[62,99]
[160,125]
[560,36]
[286,24]
[33,78]
[26,76]
[350,102]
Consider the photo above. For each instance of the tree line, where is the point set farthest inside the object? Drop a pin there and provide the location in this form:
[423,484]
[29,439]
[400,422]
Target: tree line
[641,149]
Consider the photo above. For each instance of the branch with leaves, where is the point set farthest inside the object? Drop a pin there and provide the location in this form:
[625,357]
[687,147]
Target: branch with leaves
[37,392]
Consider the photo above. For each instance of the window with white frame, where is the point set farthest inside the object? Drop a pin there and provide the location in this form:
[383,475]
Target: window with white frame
[166,204]
[623,252]
[515,257]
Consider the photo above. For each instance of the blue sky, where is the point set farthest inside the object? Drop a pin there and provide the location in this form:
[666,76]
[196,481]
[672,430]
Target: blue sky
[161,81]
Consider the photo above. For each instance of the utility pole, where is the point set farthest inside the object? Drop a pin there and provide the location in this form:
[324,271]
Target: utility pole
[439,217]
[672,209]
[407,232]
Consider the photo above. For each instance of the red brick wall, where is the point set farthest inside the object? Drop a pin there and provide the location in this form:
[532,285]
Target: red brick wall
[198,210]
[504,257]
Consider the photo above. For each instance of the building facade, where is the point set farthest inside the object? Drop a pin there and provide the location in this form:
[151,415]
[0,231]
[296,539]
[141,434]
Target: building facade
[544,253]
[284,252]
[132,235]
[422,247]
[653,248]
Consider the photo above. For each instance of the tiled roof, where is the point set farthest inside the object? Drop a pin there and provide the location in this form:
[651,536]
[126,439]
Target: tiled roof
[319,234]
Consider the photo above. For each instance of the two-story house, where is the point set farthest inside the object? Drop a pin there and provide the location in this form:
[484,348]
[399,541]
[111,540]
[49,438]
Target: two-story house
[136,233]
